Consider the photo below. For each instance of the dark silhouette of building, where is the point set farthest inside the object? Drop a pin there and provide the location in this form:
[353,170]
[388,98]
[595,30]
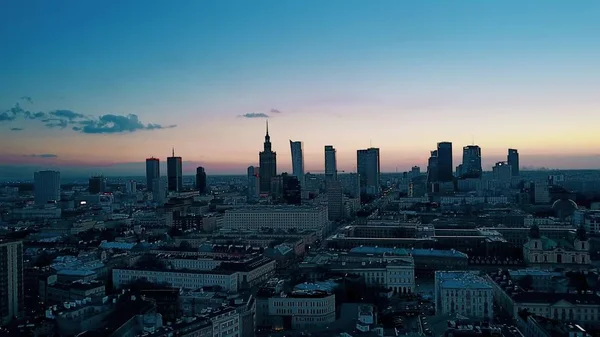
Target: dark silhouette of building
[471,162]
[432,168]
[201,180]
[12,295]
[513,161]
[97,185]
[444,162]
[267,164]
[152,172]
[174,173]
[292,190]
[368,168]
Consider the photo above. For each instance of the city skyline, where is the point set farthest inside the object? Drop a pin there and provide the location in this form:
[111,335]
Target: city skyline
[399,76]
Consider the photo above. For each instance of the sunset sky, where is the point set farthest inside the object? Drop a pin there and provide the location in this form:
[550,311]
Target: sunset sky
[201,76]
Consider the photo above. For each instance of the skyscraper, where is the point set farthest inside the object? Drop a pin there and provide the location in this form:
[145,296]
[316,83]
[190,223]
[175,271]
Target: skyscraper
[152,172]
[292,191]
[200,180]
[97,185]
[368,167]
[502,171]
[335,200]
[46,187]
[11,278]
[513,161]
[174,173]
[297,161]
[471,162]
[330,163]
[268,164]
[432,168]
[444,162]
[253,184]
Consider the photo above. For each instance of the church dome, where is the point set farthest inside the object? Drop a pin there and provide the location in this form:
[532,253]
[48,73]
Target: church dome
[564,207]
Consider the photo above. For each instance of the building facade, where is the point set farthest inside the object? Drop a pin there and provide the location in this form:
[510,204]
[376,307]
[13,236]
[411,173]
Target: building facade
[513,161]
[368,167]
[11,278]
[201,180]
[174,173]
[152,173]
[463,293]
[277,217]
[330,163]
[297,151]
[46,187]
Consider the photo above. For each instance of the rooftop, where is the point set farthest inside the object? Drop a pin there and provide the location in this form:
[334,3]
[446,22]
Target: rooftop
[464,280]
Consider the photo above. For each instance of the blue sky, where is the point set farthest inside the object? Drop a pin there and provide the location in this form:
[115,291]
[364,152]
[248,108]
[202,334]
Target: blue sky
[401,75]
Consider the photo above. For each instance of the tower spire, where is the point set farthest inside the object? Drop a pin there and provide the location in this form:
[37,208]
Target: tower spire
[173,153]
[267,127]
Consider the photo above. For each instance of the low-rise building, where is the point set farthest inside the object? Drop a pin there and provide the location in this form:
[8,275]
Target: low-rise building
[464,293]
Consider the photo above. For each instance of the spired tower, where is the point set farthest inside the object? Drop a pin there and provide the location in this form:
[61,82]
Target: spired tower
[268,164]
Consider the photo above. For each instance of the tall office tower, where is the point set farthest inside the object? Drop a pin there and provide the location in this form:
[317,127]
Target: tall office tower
[432,168]
[471,162]
[297,161]
[292,191]
[502,171]
[152,172]
[11,278]
[368,167]
[46,187]
[330,163]
[253,184]
[352,185]
[131,187]
[444,165]
[159,191]
[513,161]
[174,173]
[335,200]
[97,185]
[200,180]
[415,171]
[268,164]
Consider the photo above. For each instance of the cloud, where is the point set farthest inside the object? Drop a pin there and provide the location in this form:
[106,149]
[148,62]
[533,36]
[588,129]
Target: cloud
[61,119]
[16,129]
[255,115]
[117,124]
[43,155]
[275,111]
[68,114]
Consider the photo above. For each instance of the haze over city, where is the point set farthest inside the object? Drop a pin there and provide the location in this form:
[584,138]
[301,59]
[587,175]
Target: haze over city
[100,86]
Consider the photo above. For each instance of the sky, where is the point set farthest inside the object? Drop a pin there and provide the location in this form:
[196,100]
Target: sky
[102,85]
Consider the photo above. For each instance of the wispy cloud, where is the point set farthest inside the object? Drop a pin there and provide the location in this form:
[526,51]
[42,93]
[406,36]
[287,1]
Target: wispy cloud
[255,115]
[261,114]
[61,119]
[16,129]
[43,155]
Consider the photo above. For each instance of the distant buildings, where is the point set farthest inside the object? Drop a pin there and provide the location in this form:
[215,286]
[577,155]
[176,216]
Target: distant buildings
[502,171]
[267,164]
[201,180]
[277,217]
[11,280]
[463,293]
[368,167]
[292,189]
[253,184]
[513,161]
[131,187]
[46,187]
[432,168]
[152,172]
[174,173]
[97,185]
[330,163]
[297,151]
